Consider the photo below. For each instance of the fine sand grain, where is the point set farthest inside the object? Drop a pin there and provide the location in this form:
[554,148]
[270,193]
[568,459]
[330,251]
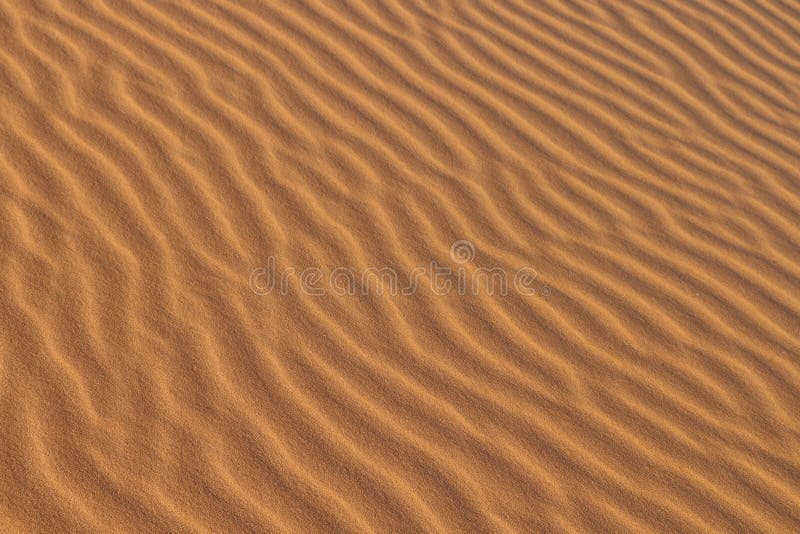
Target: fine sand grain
[400,266]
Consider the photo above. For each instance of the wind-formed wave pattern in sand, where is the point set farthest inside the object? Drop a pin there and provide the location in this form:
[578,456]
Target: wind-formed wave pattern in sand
[640,157]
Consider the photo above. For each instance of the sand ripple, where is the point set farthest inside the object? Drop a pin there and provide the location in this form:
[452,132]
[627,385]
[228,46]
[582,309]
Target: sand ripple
[639,158]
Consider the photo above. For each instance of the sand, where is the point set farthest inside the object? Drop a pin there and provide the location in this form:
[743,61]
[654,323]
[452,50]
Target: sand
[400,266]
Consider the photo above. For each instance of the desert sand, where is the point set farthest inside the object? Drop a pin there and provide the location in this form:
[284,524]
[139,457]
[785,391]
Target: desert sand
[400,266]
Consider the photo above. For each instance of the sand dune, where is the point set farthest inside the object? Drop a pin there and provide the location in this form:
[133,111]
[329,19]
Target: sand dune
[546,266]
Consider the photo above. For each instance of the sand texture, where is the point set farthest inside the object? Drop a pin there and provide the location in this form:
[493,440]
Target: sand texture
[399,266]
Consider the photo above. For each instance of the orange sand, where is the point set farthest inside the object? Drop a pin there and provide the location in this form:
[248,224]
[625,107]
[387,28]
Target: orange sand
[638,160]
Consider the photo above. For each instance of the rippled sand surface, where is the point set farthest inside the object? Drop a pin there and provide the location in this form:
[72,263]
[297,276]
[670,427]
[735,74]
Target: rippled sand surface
[400,266]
